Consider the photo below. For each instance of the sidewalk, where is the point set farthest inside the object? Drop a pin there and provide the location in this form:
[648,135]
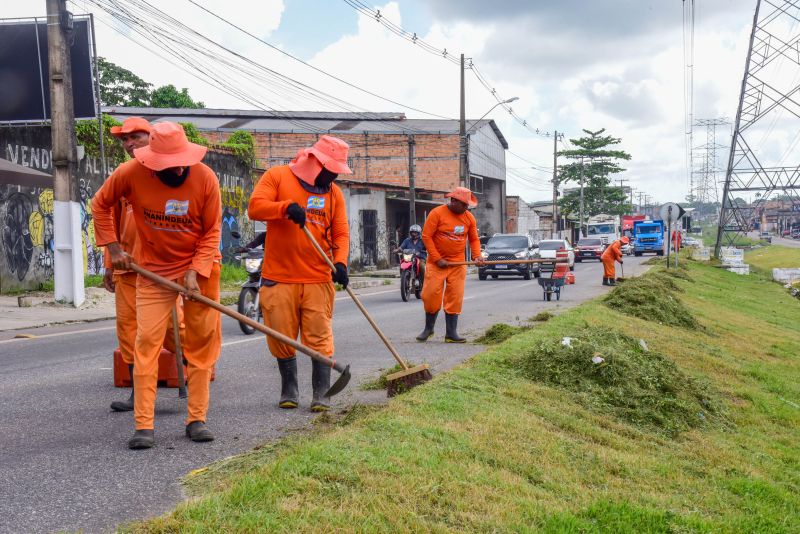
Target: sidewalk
[99,306]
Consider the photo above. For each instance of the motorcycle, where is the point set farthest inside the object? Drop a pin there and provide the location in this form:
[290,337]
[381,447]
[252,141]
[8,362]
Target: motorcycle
[248,296]
[411,277]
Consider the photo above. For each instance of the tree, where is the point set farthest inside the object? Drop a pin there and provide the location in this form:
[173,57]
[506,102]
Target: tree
[121,87]
[168,96]
[593,163]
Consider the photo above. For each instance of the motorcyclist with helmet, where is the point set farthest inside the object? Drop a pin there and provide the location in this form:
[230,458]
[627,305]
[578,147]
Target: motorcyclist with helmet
[414,242]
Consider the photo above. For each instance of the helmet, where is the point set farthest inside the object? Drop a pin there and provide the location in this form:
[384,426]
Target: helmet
[415,228]
[625,240]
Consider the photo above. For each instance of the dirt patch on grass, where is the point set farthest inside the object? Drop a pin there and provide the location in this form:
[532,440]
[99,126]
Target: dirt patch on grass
[497,333]
[613,373]
[652,297]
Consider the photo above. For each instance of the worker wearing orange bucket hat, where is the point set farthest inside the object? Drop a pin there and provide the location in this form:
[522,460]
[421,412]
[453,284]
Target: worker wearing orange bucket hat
[297,291]
[447,230]
[133,133]
[178,212]
[611,254]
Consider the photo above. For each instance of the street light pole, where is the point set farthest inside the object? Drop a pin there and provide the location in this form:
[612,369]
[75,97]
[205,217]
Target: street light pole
[462,134]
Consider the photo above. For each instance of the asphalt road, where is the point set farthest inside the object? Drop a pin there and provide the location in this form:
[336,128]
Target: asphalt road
[64,464]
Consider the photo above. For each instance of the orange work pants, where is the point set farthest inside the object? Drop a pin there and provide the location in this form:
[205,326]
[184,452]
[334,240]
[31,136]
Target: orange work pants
[447,283]
[304,308]
[200,349]
[609,269]
[125,302]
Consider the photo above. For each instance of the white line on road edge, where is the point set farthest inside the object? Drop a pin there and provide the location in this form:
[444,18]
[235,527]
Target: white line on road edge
[367,294]
[71,333]
[257,338]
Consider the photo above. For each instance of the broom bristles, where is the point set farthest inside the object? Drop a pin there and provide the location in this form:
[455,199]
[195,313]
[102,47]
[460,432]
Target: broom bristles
[406,379]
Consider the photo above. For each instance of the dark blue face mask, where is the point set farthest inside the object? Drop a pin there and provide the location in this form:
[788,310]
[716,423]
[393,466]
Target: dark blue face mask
[171,179]
[324,179]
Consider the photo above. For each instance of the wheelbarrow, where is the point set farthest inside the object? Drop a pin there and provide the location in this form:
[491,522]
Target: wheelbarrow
[550,286]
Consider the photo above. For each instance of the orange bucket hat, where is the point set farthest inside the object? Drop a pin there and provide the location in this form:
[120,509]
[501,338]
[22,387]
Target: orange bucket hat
[329,152]
[169,148]
[464,195]
[625,240]
[130,125]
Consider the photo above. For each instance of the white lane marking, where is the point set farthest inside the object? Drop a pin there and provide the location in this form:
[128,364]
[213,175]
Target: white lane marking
[257,338]
[71,333]
[367,294]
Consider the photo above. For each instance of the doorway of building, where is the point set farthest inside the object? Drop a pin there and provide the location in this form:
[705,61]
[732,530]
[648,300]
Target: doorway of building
[369,237]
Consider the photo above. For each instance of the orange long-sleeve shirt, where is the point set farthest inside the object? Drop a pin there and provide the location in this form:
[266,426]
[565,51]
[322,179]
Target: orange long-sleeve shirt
[613,251]
[445,235]
[178,228]
[292,257]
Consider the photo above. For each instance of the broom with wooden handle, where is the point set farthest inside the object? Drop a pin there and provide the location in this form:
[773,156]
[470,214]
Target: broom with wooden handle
[404,379]
[344,370]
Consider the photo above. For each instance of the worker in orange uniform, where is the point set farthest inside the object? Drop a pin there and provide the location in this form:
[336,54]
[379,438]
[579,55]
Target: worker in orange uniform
[611,254]
[134,133]
[677,240]
[445,234]
[297,289]
[178,211]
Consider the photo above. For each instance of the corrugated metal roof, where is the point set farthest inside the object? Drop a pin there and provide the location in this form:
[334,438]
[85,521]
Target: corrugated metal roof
[302,121]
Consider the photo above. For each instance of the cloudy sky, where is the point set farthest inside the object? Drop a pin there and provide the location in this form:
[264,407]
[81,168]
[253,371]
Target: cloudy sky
[573,64]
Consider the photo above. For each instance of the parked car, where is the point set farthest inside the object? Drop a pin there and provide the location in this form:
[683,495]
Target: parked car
[627,249]
[765,236]
[509,247]
[589,248]
[548,249]
[786,233]
[691,242]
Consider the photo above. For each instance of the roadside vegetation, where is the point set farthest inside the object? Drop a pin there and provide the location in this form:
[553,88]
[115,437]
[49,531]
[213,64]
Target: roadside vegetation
[774,256]
[688,430]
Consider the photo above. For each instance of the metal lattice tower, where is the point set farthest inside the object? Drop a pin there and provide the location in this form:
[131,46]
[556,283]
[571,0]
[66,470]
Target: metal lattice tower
[770,88]
[704,176]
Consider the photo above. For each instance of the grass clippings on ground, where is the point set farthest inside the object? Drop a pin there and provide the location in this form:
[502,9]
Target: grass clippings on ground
[499,332]
[640,387]
[652,297]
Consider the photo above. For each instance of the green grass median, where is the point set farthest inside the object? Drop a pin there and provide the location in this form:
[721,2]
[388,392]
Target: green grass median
[690,427]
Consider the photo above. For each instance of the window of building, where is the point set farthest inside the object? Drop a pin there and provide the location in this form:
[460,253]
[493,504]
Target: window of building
[476,184]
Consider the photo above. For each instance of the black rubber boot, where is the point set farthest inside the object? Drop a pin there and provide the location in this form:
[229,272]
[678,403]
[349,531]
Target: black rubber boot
[142,439]
[430,322]
[605,281]
[125,406]
[451,336]
[198,431]
[611,282]
[321,383]
[289,393]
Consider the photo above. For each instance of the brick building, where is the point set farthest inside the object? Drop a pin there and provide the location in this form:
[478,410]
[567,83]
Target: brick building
[521,218]
[385,149]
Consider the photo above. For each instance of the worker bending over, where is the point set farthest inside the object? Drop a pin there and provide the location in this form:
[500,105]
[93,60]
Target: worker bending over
[297,289]
[445,235]
[177,208]
[134,133]
[611,254]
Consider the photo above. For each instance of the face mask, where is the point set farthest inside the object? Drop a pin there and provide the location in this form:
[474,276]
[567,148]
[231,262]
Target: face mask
[324,179]
[171,179]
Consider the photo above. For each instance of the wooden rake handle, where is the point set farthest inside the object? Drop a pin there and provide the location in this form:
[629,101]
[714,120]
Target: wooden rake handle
[360,306]
[314,355]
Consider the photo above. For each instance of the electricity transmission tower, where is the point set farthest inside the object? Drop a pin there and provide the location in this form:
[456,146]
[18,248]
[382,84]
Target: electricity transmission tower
[704,176]
[759,163]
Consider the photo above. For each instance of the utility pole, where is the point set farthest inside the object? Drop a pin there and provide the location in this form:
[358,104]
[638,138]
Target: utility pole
[555,184]
[68,253]
[462,134]
[621,182]
[580,230]
[412,182]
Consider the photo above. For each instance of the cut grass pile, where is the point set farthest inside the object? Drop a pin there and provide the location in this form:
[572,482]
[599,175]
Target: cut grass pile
[380,382]
[542,316]
[652,297]
[499,332]
[483,448]
[640,387]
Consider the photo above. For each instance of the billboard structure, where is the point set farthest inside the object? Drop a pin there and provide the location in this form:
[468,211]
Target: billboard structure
[24,83]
